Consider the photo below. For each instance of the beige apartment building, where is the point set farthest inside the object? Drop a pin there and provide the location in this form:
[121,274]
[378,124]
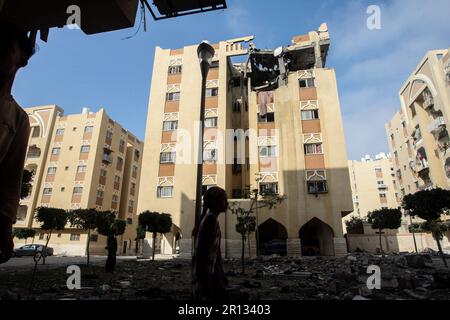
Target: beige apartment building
[273,124]
[418,133]
[373,185]
[82,160]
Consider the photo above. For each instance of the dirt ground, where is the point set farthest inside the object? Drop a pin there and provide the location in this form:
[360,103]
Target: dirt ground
[267,278]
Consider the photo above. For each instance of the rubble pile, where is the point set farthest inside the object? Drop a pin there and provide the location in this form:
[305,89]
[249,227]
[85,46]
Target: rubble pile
[417,277]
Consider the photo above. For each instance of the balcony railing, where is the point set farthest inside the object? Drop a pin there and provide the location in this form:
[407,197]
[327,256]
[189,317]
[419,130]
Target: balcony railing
[107,158]
[437,125]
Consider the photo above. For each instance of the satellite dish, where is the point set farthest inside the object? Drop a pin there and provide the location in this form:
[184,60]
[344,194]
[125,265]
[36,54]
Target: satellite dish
[278,51]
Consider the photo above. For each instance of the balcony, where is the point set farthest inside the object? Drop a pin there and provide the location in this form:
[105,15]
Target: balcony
[437,125]
[107,158]
[428,100]
[382,186]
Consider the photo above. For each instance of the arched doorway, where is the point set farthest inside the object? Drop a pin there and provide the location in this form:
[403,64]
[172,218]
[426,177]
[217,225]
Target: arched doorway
[272,238]
[316,238]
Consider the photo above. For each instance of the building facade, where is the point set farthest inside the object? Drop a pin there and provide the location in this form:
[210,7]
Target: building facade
[373,185]
[83,160]
[281,135]
[418,133]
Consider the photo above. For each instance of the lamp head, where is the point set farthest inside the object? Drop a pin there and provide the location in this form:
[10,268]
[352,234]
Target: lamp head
[205,52]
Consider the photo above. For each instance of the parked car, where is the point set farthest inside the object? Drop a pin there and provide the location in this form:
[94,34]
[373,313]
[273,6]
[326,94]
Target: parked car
[31,250]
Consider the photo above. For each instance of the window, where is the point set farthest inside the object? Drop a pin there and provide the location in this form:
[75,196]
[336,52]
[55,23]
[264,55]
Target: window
[75,237]
[81,169]
[212,92]
[268,188]
[119,163]
[236,106]
[63,189]
[88,129]
[129,221]
[100,194]
[134,171]
[137,155]
[313,148]
[164,192]
[56,151]
[214,64]
[170,125]
[175,69]
[382,196]
[269,117]
[167,157]
[47,191]
[211,122]
[51,170]
[85,149]
[115,198]
[315,187]
[74,129]
[210,155]
[109,134]
[117,179]
[103,173]
[59,235]
[380,182]
[94,238]
[131,204]
[60,132]
[78,190]
[307,83]
[310,114]
[133,187]
[173,96]
[36,132]
[267,151]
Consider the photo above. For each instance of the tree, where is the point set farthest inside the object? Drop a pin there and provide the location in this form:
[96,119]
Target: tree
[155,223]
[23,233]
[85,219]
[140,236]
[385,219]
[355,225]
[430,205]
[246,220]
[51,219]
[27,178]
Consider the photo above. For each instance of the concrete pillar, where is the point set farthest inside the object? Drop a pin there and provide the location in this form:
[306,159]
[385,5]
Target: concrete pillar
[340,246]
[186,248]
[293,247]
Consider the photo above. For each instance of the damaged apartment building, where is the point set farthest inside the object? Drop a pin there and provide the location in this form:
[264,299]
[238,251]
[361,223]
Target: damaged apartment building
[287,100]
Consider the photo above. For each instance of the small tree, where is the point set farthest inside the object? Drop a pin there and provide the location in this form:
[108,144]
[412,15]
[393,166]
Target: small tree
[23,233]
[51,219]
[355,225]
[155,223]
[384,219]
[246,220]
[430,205]
[140,236]
[27,178]
[85,219]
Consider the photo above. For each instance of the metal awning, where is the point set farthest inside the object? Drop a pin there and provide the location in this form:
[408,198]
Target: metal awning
[175,8]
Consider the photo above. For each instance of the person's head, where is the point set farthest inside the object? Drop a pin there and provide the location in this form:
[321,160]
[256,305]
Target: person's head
[215,199]
[15,49]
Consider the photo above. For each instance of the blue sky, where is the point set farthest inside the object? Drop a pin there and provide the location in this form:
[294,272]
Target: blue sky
[74,71]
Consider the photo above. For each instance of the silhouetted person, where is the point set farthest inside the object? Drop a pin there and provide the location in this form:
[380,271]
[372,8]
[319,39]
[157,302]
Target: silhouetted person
[111,246]
[15,51]
[208,276]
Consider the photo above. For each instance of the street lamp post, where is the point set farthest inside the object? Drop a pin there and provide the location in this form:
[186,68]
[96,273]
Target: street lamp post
[205,55]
